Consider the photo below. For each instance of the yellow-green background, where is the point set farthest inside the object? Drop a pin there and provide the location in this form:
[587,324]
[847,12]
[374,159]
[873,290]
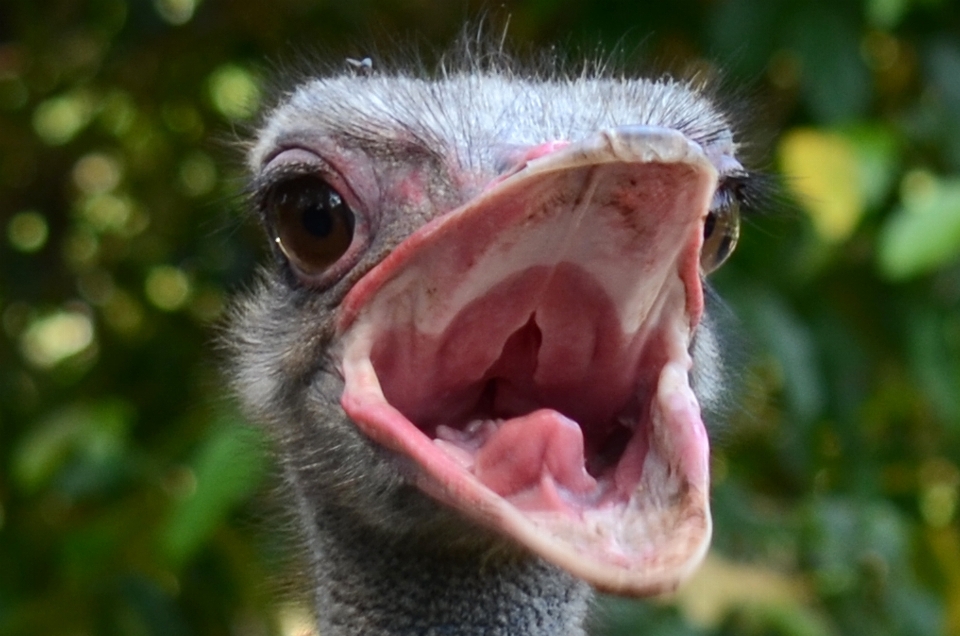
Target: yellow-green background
[129,497]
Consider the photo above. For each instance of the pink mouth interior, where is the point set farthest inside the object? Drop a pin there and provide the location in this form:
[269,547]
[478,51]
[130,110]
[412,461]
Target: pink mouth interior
[529,353]
[546,406]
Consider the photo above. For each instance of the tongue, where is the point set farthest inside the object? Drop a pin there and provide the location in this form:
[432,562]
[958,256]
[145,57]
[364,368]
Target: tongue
[533,459]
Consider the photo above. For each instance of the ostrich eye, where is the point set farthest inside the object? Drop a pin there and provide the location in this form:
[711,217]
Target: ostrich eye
[313,225]
[720,233]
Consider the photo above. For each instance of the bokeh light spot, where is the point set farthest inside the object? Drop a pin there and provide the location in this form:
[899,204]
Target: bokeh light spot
[118,113]
[167,288]
[939,485]
[107,212]
[183,118]
[97,173]
[296,620]
[51,339]
[918,187]
[938,503]
[27,231]
[207,305]
[81,248]
[880,50]
[785,69]
[176,12]
[59,119]
[180,482]
[234,92]
[123,313]
[198,174]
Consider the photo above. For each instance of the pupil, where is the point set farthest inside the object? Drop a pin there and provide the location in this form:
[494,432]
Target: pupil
[709,225]
[317,219]
[317,222]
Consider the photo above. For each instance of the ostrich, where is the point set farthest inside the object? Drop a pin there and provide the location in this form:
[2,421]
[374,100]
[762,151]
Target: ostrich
[481,346]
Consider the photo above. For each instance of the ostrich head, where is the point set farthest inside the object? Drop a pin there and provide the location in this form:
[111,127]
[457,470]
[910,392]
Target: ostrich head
[483,329]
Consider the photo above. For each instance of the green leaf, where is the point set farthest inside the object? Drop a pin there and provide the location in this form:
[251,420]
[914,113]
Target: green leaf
[885,14]
[924,233]
[228,468]
[96,434]
[877,153]
[822,169]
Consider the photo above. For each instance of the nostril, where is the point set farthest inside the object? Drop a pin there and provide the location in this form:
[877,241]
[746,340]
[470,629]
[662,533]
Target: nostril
[512,157]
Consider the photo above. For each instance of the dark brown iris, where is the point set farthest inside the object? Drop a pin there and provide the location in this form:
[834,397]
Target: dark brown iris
[313,225]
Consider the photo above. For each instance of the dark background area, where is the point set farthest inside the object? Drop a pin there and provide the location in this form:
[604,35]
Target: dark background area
[129,497]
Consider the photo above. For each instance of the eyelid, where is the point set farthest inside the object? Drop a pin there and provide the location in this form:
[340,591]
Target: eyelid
[724,197]
[291,165]
[274,176]
[297,161]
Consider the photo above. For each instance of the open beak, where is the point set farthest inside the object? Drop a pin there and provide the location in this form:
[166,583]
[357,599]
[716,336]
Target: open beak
[528,354]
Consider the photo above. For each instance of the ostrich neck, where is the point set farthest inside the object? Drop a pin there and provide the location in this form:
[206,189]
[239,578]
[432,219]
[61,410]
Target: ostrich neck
[377,583]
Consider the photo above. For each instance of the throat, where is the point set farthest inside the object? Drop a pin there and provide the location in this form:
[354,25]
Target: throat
[375,583]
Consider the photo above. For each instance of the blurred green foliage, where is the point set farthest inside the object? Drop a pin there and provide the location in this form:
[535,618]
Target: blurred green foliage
[127,485]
